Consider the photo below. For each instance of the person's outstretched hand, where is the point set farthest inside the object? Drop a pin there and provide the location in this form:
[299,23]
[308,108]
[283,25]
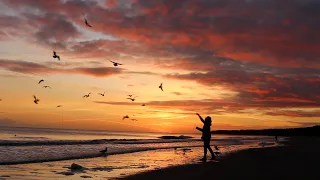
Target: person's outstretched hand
[198,128]
[198,114]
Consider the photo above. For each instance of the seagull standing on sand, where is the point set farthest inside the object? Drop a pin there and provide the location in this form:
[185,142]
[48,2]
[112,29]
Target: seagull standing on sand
[47,87]
[86,22]
[115,63]
[125,117]
[87,95]
[104,151]
[101,94]
[161,87]
[40,81]
[35,99]
[55,55]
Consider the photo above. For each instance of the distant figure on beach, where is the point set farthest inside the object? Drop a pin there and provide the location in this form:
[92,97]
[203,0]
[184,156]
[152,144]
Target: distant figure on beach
[276,138]
[206,137]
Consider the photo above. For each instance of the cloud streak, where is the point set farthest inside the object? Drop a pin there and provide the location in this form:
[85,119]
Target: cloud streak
[227,106]
[25,67]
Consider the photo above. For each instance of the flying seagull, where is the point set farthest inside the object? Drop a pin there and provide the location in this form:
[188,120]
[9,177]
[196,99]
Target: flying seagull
[40,81]
[55,55]
[59,106]
[130,95]
[87,95]
[161,87]
[47,87]
[143,105]
[132,99]
[101,94]
[35,99]
[115,63]
[85,20]
[125,117]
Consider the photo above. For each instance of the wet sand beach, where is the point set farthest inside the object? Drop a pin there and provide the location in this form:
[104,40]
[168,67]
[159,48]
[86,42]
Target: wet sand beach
[113,166]
[298,159]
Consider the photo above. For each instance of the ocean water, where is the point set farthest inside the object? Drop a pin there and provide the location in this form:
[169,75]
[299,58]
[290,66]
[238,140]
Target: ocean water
[30,145]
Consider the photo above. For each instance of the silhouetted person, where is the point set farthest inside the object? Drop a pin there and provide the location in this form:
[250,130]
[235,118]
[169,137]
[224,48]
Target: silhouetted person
[206,137]
[276,138]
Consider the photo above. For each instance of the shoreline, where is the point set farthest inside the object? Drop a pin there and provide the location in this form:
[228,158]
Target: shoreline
[297,158]
[112,167]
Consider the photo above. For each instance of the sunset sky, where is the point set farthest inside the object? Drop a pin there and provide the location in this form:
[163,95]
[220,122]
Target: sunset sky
[249,64]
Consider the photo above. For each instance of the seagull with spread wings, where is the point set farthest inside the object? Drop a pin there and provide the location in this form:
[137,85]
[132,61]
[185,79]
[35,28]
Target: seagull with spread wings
[101,94]
[161,87]
[40,81]
[36,100]
[115,63]
[132,98]
[86,22]
[55,55]
[87,95]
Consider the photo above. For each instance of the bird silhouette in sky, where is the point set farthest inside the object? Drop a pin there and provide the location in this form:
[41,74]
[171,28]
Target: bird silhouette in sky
[134,119]
[40,81]
[125,117]
[132,99]
[47,87]
[101,94]
[143,105]
[55,55]
[115,63]
[161,87]
[87,95]
[59,106]
[36,100]
[130,95]
[86,22]
[0,99]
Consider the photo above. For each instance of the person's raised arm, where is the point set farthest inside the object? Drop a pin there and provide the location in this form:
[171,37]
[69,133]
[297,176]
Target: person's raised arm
[200,117]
